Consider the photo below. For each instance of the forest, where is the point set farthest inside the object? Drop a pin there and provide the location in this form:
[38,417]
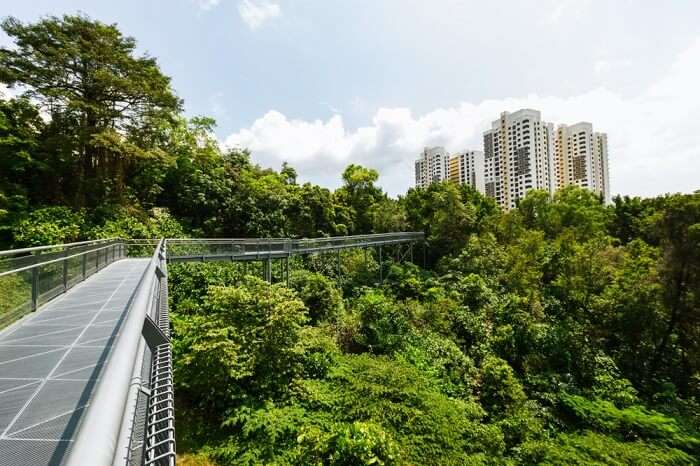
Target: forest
[565,331]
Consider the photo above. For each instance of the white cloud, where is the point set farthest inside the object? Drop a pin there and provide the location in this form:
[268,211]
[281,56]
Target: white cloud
[571,8]
[207,4]
[653,137]
[256,12]
[603,67]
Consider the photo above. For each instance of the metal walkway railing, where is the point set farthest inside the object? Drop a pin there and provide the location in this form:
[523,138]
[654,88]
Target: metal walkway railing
[198,250]
[30,277]
[125,413]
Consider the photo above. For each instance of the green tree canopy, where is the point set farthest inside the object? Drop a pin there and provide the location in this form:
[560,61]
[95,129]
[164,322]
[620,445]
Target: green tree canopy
[87,77]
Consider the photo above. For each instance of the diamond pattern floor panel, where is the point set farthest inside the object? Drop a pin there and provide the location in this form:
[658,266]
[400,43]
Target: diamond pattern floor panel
[51,361]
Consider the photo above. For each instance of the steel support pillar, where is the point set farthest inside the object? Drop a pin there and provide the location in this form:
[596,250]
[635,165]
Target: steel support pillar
[339,272]
[286,269]
[267,270]
[35,288]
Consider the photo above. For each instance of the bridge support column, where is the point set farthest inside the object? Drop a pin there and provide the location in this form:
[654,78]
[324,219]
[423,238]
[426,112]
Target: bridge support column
[286,269]
[267,270]
[339,272]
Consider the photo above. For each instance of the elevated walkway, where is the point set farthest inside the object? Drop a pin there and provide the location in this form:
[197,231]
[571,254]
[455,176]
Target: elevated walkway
[51,362]
[85,355]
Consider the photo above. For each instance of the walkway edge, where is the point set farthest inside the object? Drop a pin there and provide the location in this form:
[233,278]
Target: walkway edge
[98,436]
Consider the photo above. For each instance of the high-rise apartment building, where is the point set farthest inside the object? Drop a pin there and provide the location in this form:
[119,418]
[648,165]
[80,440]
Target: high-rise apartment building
[432,166]
[522,152]
[468,168]
[518,152]
[581,158]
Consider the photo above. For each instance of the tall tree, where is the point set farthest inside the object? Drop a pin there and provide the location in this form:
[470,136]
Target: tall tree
[20,126]
[86,75]
[678,349]
[359,194]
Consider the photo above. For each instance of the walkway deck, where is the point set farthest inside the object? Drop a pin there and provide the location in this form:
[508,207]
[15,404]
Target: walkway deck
[50,363]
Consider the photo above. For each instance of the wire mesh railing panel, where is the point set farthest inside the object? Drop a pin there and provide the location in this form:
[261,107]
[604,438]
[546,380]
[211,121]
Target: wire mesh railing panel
[16,296]
[246,249]
[30,277]
[50,281]
[159,444]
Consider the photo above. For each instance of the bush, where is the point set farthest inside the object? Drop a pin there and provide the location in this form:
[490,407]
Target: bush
[631,423]
[319,293]
[592,448]
[191,281]
[317,352]
[128,224]
[441,359]
[50,225]
[383,324]
[357,443]
[427,426]
[240,345]
[501,392]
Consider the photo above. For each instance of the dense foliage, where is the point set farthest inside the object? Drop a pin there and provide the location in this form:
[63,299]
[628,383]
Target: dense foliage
[562,332]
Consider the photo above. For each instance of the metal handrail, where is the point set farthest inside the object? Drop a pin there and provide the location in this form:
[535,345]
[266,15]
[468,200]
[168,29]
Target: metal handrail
[291,246]
[179,241]
[53,246]
[104,427]
[59,259]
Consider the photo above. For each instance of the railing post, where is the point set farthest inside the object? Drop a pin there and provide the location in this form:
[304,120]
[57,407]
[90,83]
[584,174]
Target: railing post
[84,265]
[35,288]
[65,275]
[381,271]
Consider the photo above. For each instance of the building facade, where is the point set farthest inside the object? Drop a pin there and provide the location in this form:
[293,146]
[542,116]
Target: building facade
[468,168]
[432,166]
[521,153]
[581,159]
[518,153]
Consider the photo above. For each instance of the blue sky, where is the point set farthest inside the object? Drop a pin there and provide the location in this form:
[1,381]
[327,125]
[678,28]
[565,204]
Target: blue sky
[325,83]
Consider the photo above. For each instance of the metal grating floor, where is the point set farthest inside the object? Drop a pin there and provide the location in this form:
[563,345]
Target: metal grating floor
[50,363]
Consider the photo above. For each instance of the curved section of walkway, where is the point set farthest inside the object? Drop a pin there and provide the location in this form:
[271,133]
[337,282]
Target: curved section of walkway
[50,363]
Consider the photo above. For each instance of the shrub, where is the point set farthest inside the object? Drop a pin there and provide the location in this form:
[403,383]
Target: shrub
[319,293]
[383,323]
[241,344]
[50,225]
